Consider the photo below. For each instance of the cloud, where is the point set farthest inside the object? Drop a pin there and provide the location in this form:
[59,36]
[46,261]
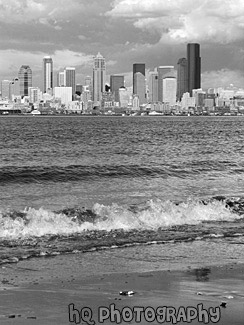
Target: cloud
[185,20]
[222,78]
[34,60]
[61,58]
[42,11]
[111,63]
[82,37]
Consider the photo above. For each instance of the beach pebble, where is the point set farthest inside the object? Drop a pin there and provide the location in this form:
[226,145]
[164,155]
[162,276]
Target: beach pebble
[199,293]
[223,304]
[127,293]
[11,316]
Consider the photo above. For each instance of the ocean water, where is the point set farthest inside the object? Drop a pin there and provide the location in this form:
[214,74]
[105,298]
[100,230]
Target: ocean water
[75,184]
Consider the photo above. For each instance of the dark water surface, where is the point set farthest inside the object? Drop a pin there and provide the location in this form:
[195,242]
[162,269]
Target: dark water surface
[78,183]
[63,161]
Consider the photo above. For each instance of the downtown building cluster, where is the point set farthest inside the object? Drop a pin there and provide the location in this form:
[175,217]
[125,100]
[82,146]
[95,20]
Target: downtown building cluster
[164,91]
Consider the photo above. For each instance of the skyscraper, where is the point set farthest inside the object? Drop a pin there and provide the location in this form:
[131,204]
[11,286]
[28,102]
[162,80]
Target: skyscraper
[61,79]
[34,94]
[194,66]
[70,79]
[139,84]
[116,82]
[25,79]
[5,89]
[163,72]
[99,77]
[169,90]
[14,89]
[48,73]
[182,82]
[153,86]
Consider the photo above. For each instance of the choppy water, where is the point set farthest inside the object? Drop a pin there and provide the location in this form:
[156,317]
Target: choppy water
[77,184]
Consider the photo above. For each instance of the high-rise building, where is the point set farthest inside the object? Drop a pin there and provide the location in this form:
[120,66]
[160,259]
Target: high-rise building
[61,79]
[135,102]
[124,97]
[99,77]
[194,66]
[47,73]
[14,89]
[116,82]
[70,79]
[5,89]
[153,86]
[139,83]
[25,79]
[169,90]
[64,94]
[34,94]
[182,82]
[163,72]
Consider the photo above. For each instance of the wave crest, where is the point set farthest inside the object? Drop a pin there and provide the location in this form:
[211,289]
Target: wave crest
[153,215]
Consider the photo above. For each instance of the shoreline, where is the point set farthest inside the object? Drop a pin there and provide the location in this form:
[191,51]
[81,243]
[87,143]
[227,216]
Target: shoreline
[114,115]
[39,291]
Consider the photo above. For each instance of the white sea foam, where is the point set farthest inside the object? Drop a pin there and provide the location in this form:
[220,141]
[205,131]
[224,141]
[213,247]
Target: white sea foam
[162,214]
[155,214]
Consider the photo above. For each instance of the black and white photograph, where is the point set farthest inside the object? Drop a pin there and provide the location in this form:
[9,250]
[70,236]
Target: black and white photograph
[121,162]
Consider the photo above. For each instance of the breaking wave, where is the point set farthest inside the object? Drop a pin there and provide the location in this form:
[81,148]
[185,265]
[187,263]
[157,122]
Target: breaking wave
[151,215]
[39,232]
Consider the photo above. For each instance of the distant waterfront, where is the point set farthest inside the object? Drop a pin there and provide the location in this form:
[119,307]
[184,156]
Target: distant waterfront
[137,113]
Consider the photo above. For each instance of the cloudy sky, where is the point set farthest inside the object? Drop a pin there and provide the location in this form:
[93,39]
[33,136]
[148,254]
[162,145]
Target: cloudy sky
[125,32]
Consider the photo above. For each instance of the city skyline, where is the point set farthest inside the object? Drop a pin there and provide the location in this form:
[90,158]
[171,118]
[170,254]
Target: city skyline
[124,32]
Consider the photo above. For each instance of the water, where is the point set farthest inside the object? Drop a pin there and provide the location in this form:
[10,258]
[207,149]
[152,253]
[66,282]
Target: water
[76,184]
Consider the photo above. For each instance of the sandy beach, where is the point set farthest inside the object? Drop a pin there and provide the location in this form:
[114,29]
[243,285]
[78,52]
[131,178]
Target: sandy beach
[68,290]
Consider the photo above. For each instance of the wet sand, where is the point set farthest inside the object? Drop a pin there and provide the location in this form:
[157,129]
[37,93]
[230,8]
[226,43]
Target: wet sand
[39,291]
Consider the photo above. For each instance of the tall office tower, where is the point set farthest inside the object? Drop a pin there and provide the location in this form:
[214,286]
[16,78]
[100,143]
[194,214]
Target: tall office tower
[124,97]
[70,79]
[5,89]
[116,82]
[153,86]
[140,87]
[34,94]
[14,88]
[194,66]
[47,73]
[25,79]
[139,84]
[99,77]
[182,82]
[61,79]
[169,90]
[163,72]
